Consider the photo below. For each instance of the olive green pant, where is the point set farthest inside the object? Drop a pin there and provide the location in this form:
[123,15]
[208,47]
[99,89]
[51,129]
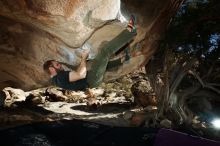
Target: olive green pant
[96,73]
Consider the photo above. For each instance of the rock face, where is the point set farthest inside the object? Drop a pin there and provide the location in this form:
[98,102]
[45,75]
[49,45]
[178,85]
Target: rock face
[32,32]
[13,95]
[143,94]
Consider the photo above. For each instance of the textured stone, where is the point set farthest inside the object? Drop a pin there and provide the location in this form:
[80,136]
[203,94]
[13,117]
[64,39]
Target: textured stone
[2,98]
[13,95]
[166,123]
[32,32]
[77,19]
[150,108]
[128,115]
[55,94]
[35,99]
[138,119]
[143,94]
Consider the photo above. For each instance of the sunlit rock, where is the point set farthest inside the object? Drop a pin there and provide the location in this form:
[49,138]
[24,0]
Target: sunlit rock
[32,32]
[13,95]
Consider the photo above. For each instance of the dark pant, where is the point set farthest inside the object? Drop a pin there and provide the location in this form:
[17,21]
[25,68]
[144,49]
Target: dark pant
[98,68]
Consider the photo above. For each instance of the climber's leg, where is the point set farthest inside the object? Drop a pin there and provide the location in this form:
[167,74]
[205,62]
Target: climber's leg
[98,68]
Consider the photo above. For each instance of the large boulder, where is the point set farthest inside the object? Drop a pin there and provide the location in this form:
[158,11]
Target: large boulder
[32,32]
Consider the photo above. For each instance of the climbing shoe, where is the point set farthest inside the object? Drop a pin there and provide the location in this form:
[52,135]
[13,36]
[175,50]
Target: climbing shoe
[131,23]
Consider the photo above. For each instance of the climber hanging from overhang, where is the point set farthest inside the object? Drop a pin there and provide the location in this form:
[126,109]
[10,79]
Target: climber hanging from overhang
[80,78]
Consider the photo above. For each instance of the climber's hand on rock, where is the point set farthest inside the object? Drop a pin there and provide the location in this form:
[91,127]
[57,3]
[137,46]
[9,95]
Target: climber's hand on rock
[85,54]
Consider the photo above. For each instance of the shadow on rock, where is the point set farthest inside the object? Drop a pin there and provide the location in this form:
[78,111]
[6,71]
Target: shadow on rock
[104,108]
[75,132]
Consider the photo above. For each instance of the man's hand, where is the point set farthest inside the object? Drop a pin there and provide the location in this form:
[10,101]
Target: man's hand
[85,54]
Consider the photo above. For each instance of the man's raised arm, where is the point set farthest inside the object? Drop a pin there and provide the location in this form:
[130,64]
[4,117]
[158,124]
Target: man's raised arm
[80,73]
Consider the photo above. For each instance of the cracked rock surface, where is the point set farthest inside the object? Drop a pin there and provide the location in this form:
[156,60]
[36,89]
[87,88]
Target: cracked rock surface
[110,104]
